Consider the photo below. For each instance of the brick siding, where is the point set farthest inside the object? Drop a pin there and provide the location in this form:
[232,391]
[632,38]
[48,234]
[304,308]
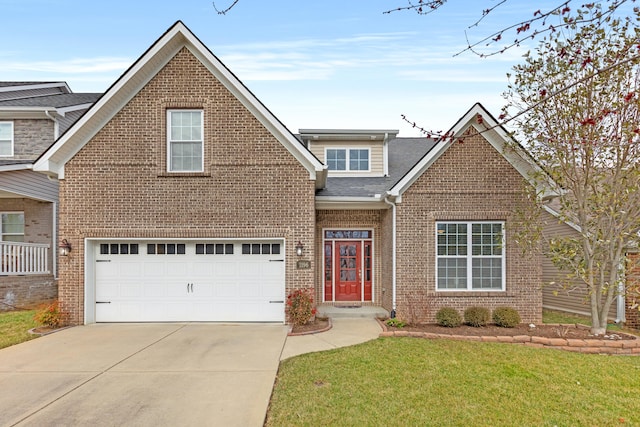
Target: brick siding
[470,181]
[117,185]
[632,311]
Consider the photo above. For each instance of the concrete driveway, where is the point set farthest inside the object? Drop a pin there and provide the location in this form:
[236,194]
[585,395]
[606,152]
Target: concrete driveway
[141,375]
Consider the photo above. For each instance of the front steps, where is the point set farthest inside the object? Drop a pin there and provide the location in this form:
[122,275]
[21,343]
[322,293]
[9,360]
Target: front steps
[351,310]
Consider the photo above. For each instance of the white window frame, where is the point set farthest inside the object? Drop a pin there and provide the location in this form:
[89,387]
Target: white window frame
[2,233]
[170,141]
[348,159]
[11,140]
[470,257]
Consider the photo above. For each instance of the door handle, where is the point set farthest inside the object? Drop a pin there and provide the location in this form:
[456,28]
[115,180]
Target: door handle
[192,288]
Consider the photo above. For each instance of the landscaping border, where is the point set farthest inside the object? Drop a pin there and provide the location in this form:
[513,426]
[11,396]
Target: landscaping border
[317,331]
[589,346]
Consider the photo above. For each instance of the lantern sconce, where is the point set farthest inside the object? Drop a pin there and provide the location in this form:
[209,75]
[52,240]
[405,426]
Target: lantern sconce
[65,247]
[299,248]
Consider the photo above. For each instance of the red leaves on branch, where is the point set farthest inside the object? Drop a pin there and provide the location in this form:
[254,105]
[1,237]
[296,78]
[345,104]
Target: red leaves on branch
[523,28]
[628,97]
[586,61]
[543,93]
[565,10]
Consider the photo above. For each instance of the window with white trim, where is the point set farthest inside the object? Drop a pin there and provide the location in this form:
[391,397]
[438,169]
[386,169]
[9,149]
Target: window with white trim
[185,147]
[348,159]
[470,256]
[6,139]
[12,226]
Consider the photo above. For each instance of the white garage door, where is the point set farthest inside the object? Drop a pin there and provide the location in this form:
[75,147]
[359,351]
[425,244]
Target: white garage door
[190,281]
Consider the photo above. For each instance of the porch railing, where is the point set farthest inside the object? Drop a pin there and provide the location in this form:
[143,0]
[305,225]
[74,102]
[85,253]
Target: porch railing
[24,258]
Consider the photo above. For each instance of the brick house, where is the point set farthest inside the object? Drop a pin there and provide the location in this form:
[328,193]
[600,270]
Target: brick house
[185,199]
[32,116]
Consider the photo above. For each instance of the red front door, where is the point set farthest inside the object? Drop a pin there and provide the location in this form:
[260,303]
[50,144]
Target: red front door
[348,271]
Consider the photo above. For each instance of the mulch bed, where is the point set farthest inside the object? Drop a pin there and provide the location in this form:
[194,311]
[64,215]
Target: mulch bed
[545,331]
[319,324]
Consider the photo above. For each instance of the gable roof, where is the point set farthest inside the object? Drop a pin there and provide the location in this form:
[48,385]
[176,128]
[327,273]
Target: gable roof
[480,119]
[139,74]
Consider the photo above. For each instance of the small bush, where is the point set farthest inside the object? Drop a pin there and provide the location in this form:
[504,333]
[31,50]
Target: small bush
[448,317]
[506,317]
[477,316]
[49,315]
[300,307]
[396,323]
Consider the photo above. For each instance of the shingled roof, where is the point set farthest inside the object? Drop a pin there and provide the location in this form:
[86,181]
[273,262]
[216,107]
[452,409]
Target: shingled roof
[404,153]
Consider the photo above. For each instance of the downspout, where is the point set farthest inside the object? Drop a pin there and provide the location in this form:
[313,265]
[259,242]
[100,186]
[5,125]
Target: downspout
[56,125]
[393,256]
[54,249]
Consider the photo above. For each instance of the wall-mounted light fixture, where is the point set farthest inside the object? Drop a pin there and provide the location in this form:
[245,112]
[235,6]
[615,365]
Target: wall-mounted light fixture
[299,248]
[65,247]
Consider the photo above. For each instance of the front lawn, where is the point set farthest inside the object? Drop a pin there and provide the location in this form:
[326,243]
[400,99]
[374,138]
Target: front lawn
[409,381]
[14,327]
[552,316]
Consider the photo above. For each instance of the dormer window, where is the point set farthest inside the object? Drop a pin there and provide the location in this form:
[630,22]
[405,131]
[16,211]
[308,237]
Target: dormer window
[348,159]
[6,139]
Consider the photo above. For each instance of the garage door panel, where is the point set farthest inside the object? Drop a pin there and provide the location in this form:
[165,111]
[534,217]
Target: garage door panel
[225,290]
[223,284]
[226,268]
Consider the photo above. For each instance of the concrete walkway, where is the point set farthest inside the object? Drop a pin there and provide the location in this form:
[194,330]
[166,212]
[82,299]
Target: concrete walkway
[190,374]
[344,332]
[142,375]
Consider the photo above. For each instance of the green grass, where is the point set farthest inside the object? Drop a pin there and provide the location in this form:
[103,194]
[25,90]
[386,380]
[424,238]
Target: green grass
[408,381]
[14,327]
[551,316]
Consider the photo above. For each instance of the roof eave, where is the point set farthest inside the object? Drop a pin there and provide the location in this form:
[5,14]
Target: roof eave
[350,202]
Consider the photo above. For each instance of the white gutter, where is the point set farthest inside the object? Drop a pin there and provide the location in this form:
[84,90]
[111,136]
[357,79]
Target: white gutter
[393,260]
[56,125]
[16,167]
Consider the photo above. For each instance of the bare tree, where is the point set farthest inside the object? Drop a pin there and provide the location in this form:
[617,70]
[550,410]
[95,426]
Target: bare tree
[578,112]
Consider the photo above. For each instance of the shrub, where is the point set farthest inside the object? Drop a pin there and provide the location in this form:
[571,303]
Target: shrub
[300,307]
[477,316]
[448,317]
[49,315]
[506,317]
[395,323]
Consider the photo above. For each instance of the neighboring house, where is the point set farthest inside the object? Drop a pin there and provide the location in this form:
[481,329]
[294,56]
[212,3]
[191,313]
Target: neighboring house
[571,294]
[185,199]
[32,116]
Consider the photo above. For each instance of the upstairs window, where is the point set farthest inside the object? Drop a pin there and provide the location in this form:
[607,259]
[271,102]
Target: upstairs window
[6,139]
[470,256]
[348,159]
[12,227]
[185,149]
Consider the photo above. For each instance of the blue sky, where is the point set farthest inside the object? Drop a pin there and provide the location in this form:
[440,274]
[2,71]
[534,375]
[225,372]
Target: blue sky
[314,64]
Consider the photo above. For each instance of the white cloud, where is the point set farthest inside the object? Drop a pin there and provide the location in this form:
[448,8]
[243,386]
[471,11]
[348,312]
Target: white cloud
[70,66]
